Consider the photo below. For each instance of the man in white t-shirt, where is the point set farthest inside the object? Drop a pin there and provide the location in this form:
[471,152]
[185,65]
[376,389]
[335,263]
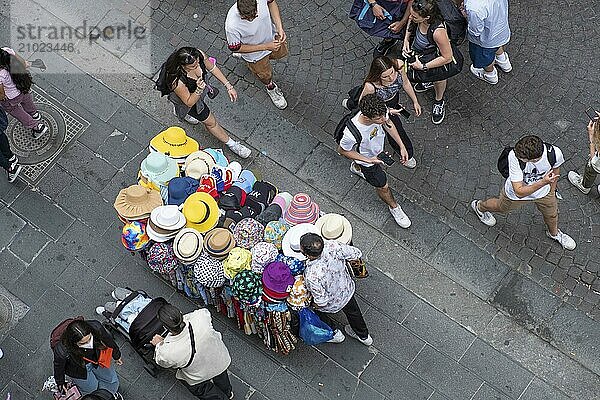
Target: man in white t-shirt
[532,178]
[372,122]
[255,31]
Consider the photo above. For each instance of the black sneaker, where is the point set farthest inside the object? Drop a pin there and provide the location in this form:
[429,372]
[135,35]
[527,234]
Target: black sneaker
[39,131]
[439,112]
[13,161]
[13,173]
[422,87]
[382,48]
[37,116]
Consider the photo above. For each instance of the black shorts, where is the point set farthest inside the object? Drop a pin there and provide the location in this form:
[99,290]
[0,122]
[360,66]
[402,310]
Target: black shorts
[375,175]
[202,115]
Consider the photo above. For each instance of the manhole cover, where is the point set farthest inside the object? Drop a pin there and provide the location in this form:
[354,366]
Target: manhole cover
[5,312]
[37,155]
[11,311]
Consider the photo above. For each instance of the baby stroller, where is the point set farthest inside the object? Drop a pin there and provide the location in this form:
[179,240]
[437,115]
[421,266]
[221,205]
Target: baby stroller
[135,316]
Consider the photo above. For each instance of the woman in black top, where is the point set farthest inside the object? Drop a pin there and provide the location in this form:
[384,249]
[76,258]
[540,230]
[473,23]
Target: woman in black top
[186,72]
[83,354]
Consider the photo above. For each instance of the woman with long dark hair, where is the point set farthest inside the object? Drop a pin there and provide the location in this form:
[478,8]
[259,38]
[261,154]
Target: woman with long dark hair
[15,92]
[428,33]
[185,82]
[85,353]
[385,78]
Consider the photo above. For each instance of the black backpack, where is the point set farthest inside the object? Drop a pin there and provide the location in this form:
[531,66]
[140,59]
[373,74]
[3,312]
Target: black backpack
[503,159]
[346,122]
[456,23]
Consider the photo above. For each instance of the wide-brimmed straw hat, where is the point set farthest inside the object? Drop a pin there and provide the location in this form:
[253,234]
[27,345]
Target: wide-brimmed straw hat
[174,142]
[199,163]
[201,212]
[335,227]
[136,202]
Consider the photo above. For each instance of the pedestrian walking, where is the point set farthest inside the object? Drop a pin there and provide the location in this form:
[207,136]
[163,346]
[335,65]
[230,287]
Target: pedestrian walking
[533,171]
[84,351]
[15,92]
[427,47]
[328,280]
[385,78]
[8,160]
[254,31]
[183,78]
[196,350]
[592,167]
[488,32]
[372,122]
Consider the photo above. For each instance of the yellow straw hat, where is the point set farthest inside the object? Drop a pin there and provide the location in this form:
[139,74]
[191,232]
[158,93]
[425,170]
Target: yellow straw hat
[201,212]
[174,142]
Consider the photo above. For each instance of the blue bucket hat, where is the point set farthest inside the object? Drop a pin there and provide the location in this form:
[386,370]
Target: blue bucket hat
[219,157]
[180,189]
[246,181]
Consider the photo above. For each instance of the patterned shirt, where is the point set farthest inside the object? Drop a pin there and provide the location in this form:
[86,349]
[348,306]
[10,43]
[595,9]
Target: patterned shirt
[327,278]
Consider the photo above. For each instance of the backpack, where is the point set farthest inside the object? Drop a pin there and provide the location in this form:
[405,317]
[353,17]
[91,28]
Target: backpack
[503,159]
[456,23]
[57,332]
[346,122]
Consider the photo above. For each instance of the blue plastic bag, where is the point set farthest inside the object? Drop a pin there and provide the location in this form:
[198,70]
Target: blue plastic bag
[312,329]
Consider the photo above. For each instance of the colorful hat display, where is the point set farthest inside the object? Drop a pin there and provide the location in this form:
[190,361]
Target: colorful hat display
[136,202]
[335,227]
[208,185]
[188,245]
[174,143]
[236,169]
[248,232]
[261,196]
[277,280]
[247,287]
[161,258]
[301,210]
[134,236]
[271,213]
[245,181]
[299,297]
[219,242]
[165,222]
[233,198]
[274,233]
[208,271]
[296,266]
[220,158]
[291,241]
[223,177]
[263,253]
[198,163]
[238,215]
[181,188]
[237,260]
[201,212]
[159,168]
[283,199]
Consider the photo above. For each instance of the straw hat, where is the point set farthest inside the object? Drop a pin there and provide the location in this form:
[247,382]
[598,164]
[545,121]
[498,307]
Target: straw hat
[159,168]
[199,163]
[187,245]
[201,212]
[136,202]
[335,227]
[301,210]
[219,242]
[174,142]
[291,240]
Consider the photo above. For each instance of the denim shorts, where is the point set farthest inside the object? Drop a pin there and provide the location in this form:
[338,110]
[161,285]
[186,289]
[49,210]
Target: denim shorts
[481,56]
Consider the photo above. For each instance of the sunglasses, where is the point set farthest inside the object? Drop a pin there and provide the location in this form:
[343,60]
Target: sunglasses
[189,59]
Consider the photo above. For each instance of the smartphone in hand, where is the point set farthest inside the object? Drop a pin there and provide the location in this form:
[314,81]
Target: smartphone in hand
[592,115]
[386,158]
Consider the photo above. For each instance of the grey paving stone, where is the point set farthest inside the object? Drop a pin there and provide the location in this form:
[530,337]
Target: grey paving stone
[364,392]
[350,354]
[133,271]
[87,205]
[460,259]
[32,373]
[96,132]
[486,392]
[334,382]
[138,125]
[56,179]
[496,369]
[39,211]
[87,166]
[12,267]
[28,243]
[16,392]
[527,303]
[392,339]
[576,334]
[539,390]
[78,281]
[178,391]
[438,330]
[11,225]
[240,118]
[305,362]
[284,385]
[271,138]
[118,149]
[10,191]
[367,205]
[384,376]
[444,374]
[152,388]
[14,354]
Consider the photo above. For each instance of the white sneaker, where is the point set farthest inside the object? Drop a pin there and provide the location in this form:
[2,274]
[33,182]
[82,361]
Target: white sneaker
[485,217]
[367,341]
[39,131]
[355,169]
[100,311]
[277,98]
[577,181]
[411,163]
[240,149]
[400,217]
[489,77]
[338,337]
[345,104]
[505,65]
[565,240]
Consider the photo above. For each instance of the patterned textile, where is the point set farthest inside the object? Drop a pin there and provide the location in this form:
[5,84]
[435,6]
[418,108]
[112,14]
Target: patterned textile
[237,260]
[248,232]
[161,258]
[247,287]
[262,254]
[274,232]
[208,271]
[296,266]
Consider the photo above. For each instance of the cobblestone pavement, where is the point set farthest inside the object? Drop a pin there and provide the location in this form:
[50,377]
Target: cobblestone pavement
[457,310]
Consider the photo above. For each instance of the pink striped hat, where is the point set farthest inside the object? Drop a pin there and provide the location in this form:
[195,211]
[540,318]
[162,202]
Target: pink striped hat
[301,210]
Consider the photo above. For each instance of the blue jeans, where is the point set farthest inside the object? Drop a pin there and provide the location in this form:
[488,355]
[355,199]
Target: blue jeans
[98,378]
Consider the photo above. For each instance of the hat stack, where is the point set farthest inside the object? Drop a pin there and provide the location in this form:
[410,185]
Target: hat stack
[263,253]
[248,232]
[277,281]
[335,227]
[161,258]
[301,210]
[291,240]
[198,163]
[238,260]
[180,189]
[201,212]
[220,158]
[299,297]
[208,271]
[245,181]
[159,169]
[247,287]
[134,236]
[165,222]
[274,233]
[174,143]
[218,243]
[261,196]
[187,245]
[136,202]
